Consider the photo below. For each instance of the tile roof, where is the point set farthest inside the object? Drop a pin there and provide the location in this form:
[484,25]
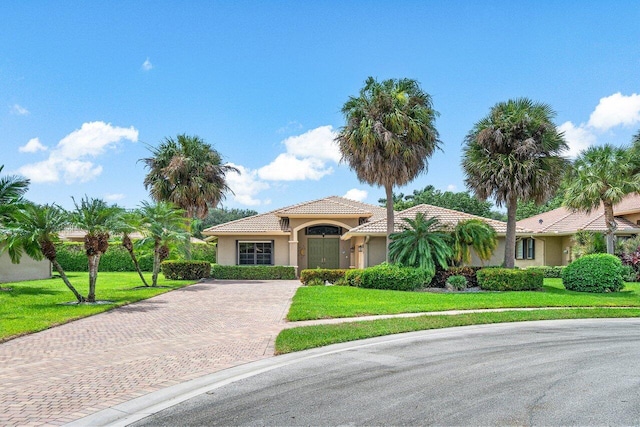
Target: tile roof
[275,222]
[563,221]
[446,216]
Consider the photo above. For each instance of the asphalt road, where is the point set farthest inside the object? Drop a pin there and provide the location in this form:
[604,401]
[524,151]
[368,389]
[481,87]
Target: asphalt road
[583,372]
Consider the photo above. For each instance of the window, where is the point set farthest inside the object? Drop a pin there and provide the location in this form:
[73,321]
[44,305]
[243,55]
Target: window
[526,249]
[255,253]
[323,230]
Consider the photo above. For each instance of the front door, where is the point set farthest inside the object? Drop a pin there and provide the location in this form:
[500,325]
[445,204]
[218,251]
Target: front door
[323,252]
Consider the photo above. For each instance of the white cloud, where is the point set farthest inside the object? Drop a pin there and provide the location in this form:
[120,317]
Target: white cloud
[317,143]
[147,65]
[578,138]
[32,146]
[452,187]
[69,158]
[616,110]
[292,126]
[246,186]
[114,197]
[356,194]
[19,110]
[287,167]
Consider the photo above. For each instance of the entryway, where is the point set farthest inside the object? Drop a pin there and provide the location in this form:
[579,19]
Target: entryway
[324,252]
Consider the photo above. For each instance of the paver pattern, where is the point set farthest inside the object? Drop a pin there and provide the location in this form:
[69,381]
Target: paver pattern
[65,373]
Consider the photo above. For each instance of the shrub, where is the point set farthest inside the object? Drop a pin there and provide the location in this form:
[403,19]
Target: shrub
[469,273]
[316,281]
[203,252]
[353,277]
[72,257]
[629,274]
[594,273]
[253,272]
[186,270]
[549,272]
[394,277]
[324,274]
[458,283]
[509,279]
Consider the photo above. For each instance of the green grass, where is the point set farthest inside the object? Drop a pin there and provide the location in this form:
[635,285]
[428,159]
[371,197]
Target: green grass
[40,304]
[306,337]
[321,302]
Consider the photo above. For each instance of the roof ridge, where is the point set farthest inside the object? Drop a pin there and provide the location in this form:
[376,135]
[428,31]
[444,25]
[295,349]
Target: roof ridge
[242,219]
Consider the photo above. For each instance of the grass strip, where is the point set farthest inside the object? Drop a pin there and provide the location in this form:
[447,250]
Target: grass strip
[36,305]
[306,337]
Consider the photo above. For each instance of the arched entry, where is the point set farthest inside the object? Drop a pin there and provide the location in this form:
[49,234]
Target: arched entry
[324,246]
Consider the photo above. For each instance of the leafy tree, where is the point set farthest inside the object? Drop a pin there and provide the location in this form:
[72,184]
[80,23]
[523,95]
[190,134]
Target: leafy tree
[98,219]
[587,242]
[220,216]
[12,188]
[602,176]
[514,154]
[422,243]
[389,135]
[163,224]
[473,234]
[34,229]
[189,173]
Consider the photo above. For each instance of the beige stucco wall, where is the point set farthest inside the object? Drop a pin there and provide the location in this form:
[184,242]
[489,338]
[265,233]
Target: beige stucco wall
[376,252]
[496,259]
[28,269]
[227,255]
[634,218]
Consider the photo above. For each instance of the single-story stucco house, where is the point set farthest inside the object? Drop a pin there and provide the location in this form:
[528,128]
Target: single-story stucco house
[333,232]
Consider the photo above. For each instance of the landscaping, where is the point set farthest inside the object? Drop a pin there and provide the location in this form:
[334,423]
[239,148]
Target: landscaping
[32,306]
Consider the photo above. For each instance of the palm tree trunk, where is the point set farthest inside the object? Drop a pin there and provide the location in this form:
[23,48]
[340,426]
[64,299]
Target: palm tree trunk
[65,279]
[156,265]
[510,237]
[94,260]
[389,190]
[137,265]
[611,227]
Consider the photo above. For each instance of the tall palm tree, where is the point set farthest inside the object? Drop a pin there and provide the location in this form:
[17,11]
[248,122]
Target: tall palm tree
[389,135]
[514,153]
[98,220]
[473,234]
[34,229]
[12,188]
[423,243]
[162,224]
[602,176]
[189,173]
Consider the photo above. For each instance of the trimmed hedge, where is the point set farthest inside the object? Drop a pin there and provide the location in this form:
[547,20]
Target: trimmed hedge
[549,272]
[393,277]
[72,257]
[253,272]
[594,273]
[507,279]
[185,270]
[469,273]
[324,274]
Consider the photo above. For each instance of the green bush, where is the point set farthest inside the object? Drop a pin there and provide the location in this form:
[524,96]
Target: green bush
[594,273]
[629,274]
[441,277]
[549,272]
[316,281]
[186,270]
[394,277]
[253,272]
[203,252]
[508,279]
[324,274]
[72,257]
[353,277]
[459,283]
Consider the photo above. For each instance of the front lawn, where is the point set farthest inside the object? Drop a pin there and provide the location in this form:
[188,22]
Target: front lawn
[321,302]
[40,304]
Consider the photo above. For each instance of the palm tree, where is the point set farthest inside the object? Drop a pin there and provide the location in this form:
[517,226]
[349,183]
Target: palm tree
[129,222]
[98,219]
[188,173]
[162,224]
[512,154]
[389,135]
[473,234]
[34,229]
[602,176]
[12,188]
[422,243]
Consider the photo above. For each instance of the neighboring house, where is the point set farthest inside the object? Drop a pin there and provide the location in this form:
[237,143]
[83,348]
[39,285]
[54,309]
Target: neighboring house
[333,232]
[550,241]
[27,269]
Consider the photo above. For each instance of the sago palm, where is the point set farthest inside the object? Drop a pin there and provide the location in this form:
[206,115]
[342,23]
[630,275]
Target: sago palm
[423,243]
[389,135]
[473,234]
[129,222]
[602,176]
[514,153]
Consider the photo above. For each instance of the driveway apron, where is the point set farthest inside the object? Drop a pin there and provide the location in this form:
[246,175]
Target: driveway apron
[68,372]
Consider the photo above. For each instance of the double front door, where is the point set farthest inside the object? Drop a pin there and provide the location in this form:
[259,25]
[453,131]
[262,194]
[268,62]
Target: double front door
[324,252]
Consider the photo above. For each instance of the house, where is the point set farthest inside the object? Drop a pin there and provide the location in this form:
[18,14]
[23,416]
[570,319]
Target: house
[333,232]
[550,239]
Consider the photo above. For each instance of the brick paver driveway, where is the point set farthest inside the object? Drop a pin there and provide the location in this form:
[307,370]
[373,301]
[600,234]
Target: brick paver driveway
[65,373]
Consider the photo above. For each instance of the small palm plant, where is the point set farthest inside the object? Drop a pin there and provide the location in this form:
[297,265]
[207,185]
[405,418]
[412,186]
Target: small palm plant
[473,234]
[129,222]
[423,243]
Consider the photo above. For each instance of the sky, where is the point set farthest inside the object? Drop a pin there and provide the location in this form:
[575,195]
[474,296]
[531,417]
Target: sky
[88,88]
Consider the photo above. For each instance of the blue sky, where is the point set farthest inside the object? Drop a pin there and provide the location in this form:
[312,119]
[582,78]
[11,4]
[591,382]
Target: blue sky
[86,87]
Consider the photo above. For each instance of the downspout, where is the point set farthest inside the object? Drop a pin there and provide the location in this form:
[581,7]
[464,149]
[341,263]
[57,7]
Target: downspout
[366,249]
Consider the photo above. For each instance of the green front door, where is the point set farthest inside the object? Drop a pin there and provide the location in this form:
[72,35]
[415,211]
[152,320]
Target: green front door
[323,252]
